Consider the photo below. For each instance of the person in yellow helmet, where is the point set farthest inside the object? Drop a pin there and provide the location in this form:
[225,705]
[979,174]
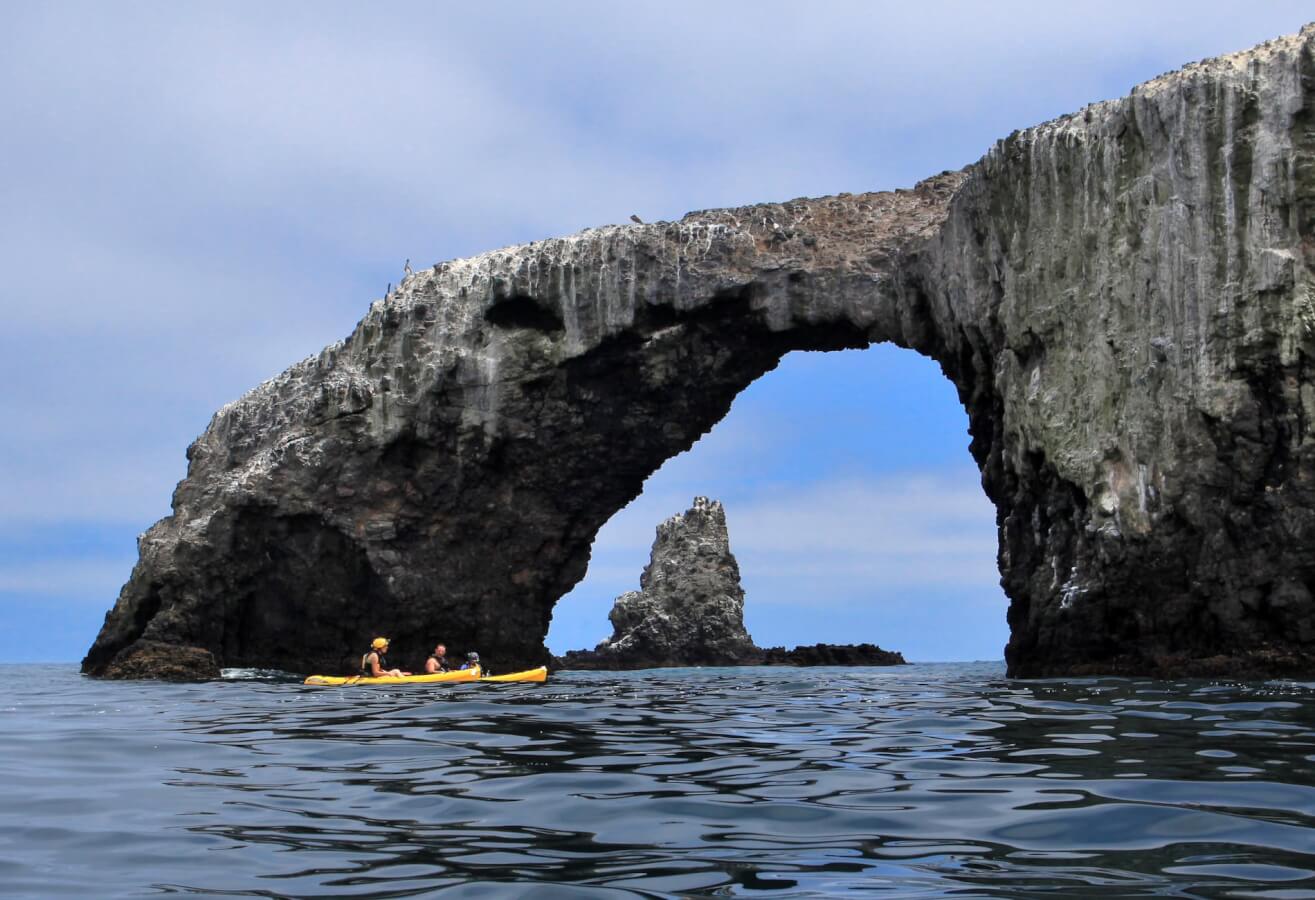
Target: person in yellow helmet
[373,662]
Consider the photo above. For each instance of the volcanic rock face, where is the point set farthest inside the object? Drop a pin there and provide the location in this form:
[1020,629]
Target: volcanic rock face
[689,610]
[1124,298]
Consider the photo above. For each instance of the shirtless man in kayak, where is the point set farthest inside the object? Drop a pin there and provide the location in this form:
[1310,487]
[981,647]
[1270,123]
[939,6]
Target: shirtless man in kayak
[437,661]
[372,663]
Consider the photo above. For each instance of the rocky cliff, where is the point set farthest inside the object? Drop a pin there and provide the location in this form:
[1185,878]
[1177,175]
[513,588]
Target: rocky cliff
[689,609]
[1124,298]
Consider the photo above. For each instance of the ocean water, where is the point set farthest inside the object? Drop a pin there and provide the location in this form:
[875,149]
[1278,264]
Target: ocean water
[917,781]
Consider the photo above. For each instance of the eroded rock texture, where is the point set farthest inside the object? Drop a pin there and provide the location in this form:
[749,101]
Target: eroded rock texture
[689,609]
[1124,298]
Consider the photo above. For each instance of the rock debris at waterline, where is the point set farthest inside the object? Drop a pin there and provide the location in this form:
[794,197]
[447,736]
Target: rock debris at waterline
[1123,298]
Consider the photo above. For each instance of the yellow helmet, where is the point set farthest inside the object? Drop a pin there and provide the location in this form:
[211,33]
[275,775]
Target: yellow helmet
[379,643]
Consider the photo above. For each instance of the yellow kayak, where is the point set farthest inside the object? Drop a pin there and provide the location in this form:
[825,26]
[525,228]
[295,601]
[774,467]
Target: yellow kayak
[538,676]
[436,678]
[461,675]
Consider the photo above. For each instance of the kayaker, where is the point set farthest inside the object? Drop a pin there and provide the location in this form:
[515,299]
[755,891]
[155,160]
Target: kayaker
[437,661]
[373,662]
[472,661]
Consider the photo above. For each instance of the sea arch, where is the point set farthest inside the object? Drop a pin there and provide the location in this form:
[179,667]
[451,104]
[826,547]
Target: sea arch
[1124,299]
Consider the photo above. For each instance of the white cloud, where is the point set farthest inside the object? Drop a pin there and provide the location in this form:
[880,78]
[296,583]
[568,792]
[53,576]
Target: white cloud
[96,580]
[92,484]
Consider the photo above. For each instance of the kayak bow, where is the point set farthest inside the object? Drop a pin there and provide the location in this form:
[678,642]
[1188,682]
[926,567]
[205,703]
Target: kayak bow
[537,676]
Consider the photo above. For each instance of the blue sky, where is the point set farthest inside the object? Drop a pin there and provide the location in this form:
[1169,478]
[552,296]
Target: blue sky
[194,196]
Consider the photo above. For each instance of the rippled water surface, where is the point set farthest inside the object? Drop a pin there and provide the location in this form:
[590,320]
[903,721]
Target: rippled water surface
[923,780]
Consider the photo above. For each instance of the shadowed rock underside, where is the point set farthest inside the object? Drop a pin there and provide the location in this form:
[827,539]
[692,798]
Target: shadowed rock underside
[1123,297]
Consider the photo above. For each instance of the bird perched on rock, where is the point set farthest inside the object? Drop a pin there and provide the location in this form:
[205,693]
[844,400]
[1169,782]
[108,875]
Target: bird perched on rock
[406,266]
[636,220]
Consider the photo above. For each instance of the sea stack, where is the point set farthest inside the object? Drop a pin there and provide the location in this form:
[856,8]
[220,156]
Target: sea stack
[689,609]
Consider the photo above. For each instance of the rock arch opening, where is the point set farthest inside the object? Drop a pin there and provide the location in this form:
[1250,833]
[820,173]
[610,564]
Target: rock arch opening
[854,510]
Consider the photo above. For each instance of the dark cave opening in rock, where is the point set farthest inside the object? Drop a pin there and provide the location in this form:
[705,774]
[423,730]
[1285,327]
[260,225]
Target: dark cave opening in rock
[854,509]
[523,312]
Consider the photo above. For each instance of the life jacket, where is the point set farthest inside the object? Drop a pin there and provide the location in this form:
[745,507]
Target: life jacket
[442,662]
[366,671]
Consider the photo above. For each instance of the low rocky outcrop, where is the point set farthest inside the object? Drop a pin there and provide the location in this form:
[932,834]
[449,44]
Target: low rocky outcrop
[164,662]
[1124,298]
[832,655]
